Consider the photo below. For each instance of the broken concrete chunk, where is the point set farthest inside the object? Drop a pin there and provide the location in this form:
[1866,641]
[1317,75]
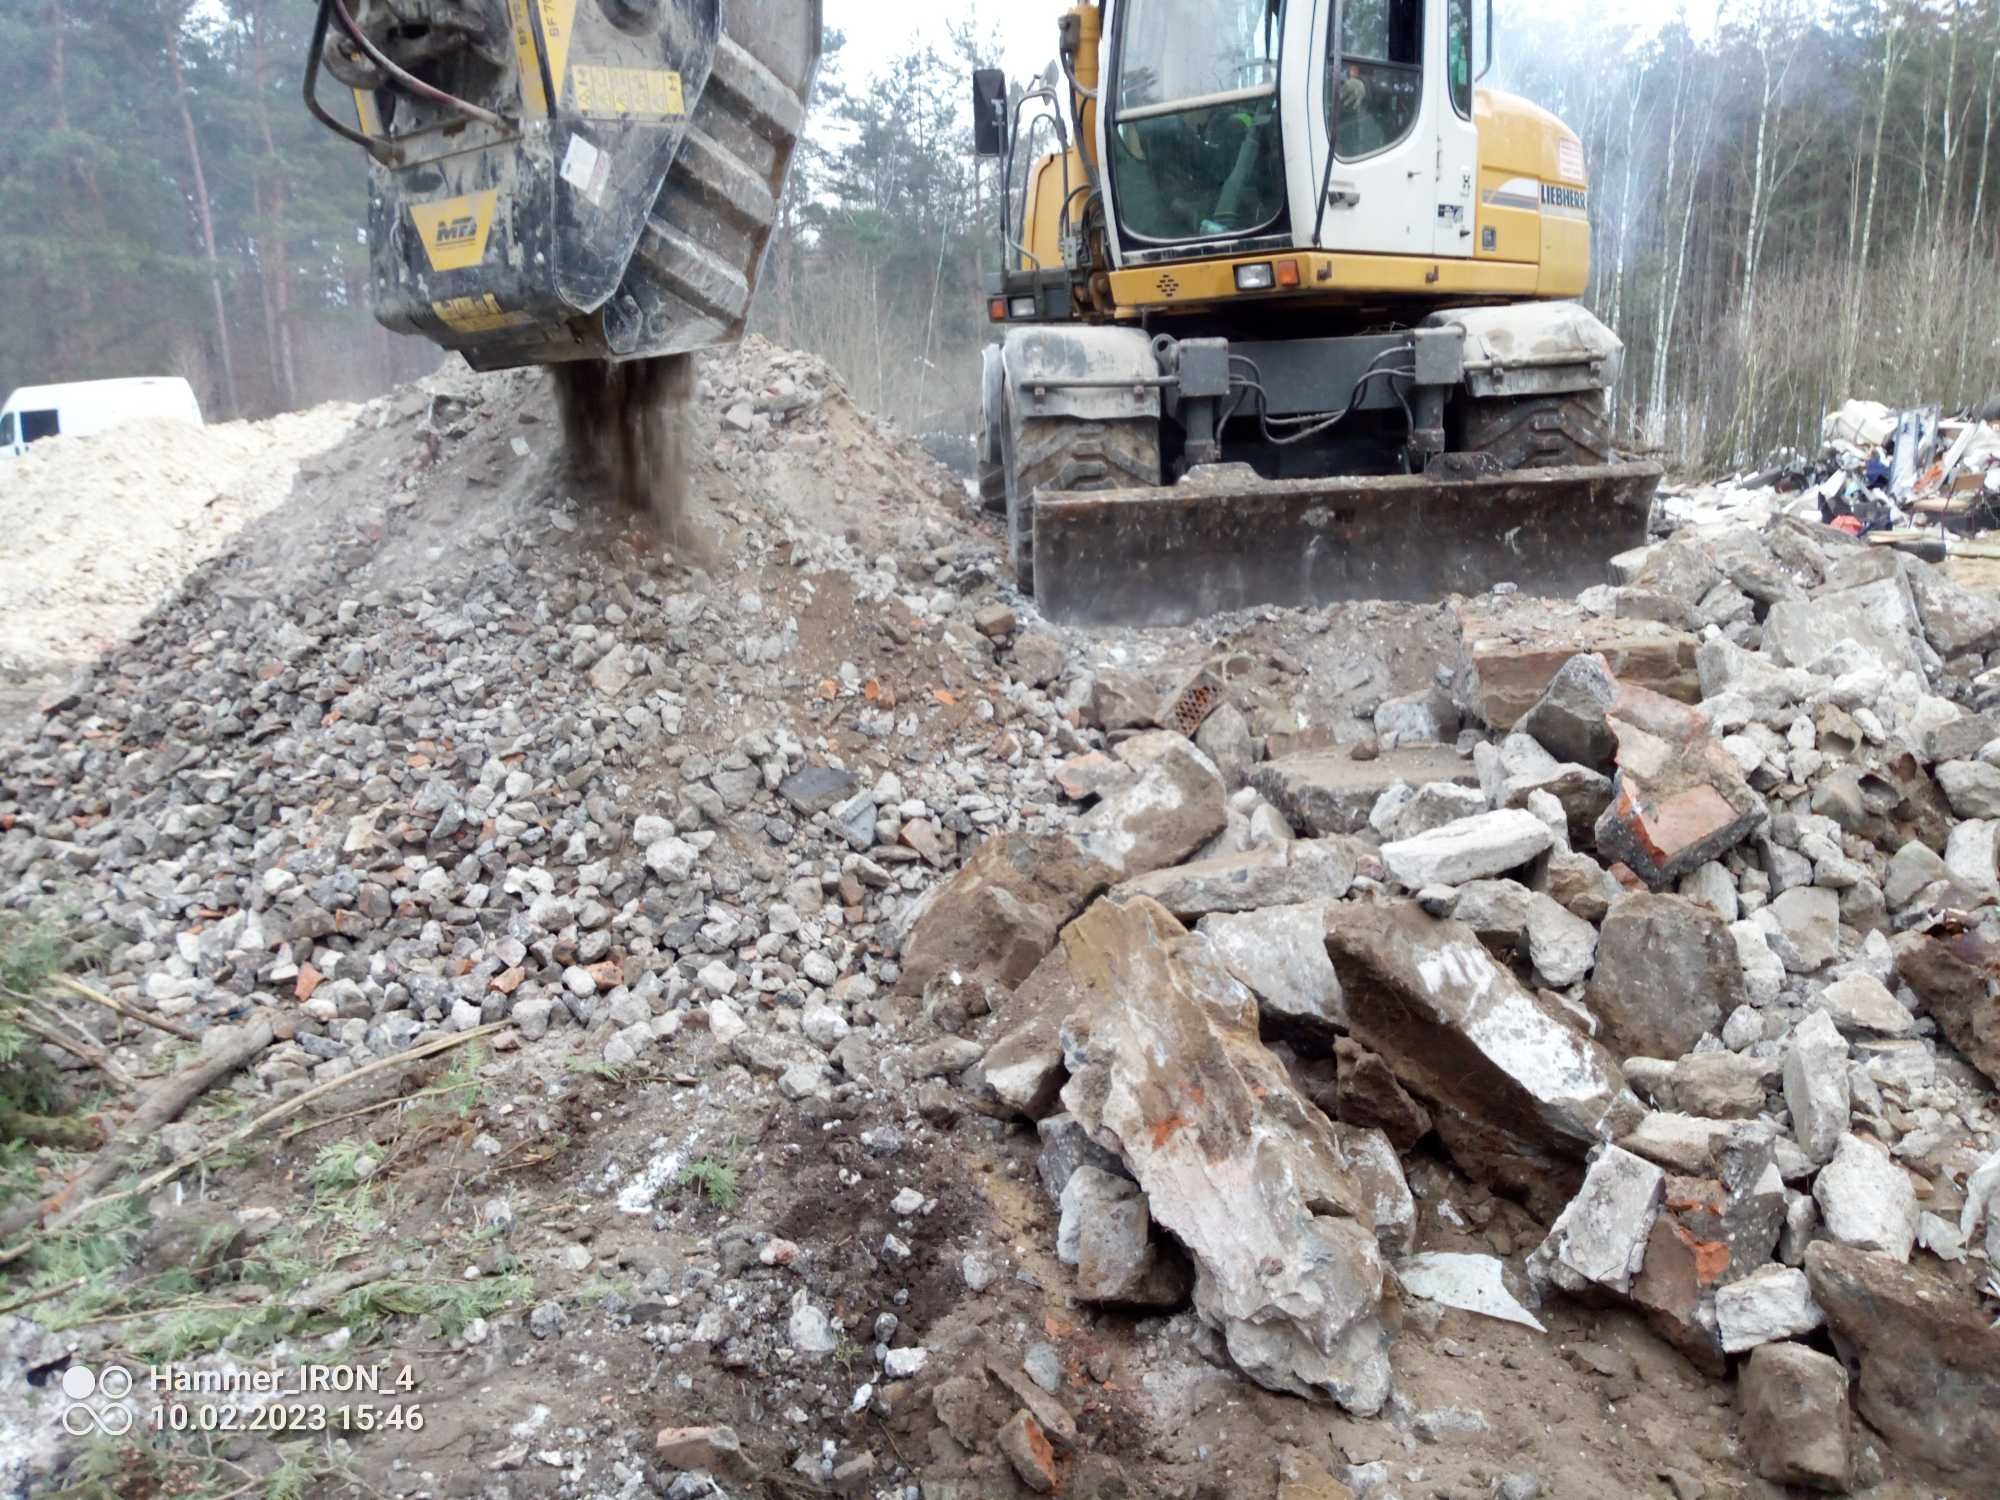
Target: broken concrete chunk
[1431,807]
[1517,1094]
[1913,871]
[1066,1146]
[1324,792]
[1953,978]
[1722,1085]
[1772,1303]
[1118,1262]
[1425,718]
[1379,1172]
[1001,913]
[1972,787]
[1175,804]
[1366,1094]
[1568,719]
[1881,616]
[1866,1201]
[1515,647]
[1972,860]
[1123,700]
[1928,1358]
[1166,1068]
[1283,874]
[1795,1422]
[1580,885]
[1803,925]
[1280,955]
[1667,973]
[1600,1238]
[1681,1143]
[1861,1005]
[1816,1086]
[1089,1192]
[1958,621]
[1470,849]
[1562,947]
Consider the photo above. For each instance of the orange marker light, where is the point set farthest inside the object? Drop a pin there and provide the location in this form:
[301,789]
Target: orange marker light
[997,309]
[1288,273]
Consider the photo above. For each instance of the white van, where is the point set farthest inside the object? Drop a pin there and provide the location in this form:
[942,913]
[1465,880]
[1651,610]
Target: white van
[37,411]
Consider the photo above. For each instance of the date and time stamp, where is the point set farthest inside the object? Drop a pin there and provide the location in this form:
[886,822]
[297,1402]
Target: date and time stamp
[302,1399]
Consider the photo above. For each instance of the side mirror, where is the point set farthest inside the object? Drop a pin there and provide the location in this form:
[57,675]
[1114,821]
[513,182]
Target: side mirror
[989,112]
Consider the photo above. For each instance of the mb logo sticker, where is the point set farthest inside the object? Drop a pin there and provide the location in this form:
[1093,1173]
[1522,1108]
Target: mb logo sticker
[95,1403]
[455,230]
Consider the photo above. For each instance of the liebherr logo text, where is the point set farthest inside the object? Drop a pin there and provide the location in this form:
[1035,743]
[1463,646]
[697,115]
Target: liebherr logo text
[1562,197]
[305,1380]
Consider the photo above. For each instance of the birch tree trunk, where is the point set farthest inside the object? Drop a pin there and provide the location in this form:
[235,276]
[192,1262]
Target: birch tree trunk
[1671,305]
[1851,345]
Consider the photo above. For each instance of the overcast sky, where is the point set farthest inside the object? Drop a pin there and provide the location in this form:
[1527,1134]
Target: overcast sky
[877,31]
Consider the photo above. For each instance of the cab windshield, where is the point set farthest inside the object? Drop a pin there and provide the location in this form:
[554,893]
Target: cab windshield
[6,429]
[1195,143]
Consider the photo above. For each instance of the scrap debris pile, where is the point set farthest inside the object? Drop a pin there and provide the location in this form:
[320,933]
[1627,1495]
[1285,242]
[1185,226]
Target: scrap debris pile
[1900,474]
[1106,1011]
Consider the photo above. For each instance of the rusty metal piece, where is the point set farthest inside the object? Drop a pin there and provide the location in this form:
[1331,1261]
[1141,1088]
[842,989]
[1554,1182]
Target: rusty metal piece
[1225,539]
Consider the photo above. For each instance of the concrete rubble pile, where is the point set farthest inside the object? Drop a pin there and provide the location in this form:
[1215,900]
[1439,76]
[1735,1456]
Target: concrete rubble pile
[1673,914]
[1670,913]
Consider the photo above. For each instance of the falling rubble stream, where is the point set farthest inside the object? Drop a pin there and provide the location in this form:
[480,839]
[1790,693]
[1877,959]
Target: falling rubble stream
[1484,1047]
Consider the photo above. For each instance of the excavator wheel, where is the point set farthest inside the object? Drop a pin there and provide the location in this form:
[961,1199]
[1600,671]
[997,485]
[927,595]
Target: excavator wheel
[990,461]
[1069,453]
[1536,432]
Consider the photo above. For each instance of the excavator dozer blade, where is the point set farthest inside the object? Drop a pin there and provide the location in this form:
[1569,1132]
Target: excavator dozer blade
[1223,539]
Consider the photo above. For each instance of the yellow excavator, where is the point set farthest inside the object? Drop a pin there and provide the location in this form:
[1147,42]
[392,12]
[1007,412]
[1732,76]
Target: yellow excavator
[1284,312]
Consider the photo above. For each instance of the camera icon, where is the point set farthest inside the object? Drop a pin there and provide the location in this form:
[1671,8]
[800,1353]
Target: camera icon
[96,1401]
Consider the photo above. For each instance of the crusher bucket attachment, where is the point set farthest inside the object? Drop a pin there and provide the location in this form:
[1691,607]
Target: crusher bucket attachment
[557,180]
[1224,539]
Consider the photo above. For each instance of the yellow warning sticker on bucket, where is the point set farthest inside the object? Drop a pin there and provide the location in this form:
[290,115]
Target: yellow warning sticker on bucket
[558,18]
[605,92]
[455,230]
[534,100]
[477,314]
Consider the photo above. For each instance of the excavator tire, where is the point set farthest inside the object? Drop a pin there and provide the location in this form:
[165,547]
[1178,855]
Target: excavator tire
[1069,453]
[1536,432]
[990,461]
[992,478]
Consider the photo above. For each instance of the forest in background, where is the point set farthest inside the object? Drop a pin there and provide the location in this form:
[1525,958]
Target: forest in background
[1799,206]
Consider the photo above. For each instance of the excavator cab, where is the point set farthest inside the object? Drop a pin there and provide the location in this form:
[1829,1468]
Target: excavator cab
[1298,323]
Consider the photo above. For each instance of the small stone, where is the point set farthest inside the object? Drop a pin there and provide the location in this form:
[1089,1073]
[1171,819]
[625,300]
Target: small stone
[1795,1421]
[1770,1304]
[1028,1449]
[1861,1005]
[1044,1364]
[1600,1238]
[1817,1087]
[993,621]
[1489,845]
[1866,1200]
